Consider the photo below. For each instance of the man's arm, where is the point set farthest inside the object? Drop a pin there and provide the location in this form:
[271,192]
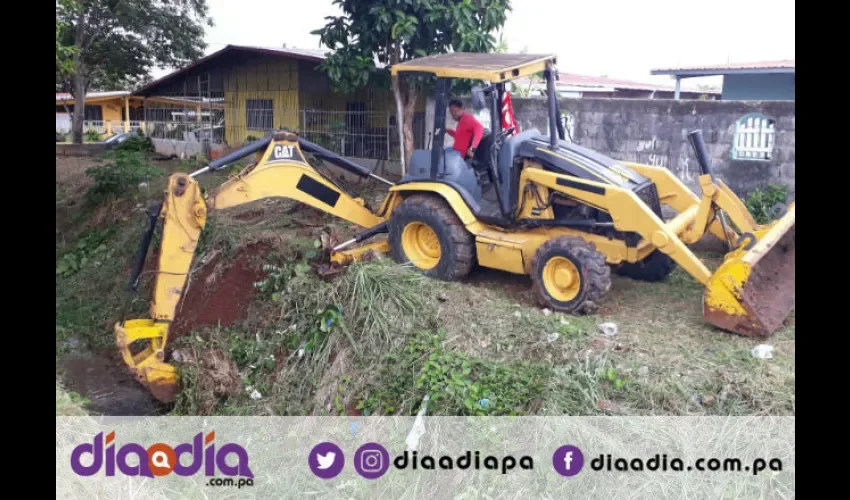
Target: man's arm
[450,131]
[477,134]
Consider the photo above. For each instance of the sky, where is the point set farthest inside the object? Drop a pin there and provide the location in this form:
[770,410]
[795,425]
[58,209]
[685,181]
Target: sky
[618,38]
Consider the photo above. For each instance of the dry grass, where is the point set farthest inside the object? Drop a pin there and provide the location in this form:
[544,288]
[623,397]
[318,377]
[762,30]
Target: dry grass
[673,361]
[71,172]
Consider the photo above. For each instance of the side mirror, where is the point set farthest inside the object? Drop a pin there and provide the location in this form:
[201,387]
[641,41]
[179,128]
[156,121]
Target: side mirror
[479,101]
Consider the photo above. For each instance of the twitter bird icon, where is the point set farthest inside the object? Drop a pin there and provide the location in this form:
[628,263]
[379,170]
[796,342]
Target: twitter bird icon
[326,460]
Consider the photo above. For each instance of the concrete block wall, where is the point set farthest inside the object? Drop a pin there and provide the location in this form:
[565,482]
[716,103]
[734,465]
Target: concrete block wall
[654,132]
[651,131]
[80,149]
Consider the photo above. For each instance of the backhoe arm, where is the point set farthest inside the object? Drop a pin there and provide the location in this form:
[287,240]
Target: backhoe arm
[281,172]
[184,215]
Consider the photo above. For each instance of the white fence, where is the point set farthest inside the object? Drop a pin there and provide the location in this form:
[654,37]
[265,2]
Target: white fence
[754,138]
[63,125]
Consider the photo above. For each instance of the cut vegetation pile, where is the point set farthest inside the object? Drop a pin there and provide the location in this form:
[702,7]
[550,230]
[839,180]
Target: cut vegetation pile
[258,332]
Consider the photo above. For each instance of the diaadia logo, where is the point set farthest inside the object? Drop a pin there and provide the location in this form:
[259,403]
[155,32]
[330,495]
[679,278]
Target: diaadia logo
[160,459]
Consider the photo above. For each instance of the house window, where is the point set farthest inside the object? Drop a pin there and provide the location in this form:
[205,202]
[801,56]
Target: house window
[755,135]
[259,114]
[92,112]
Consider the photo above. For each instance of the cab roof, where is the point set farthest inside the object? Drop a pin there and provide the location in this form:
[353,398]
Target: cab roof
[491,67]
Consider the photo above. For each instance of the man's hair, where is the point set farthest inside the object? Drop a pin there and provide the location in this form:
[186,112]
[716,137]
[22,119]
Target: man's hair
[456,103]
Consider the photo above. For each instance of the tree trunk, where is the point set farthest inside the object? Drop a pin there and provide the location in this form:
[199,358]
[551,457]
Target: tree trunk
[405,97]
[79,109]
[78,83]
[409,113]
[399,122]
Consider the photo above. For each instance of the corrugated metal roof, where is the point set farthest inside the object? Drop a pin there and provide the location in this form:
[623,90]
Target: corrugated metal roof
[314,55]
[759,66]
[584,88]
[566,80]
[317,54]
[64,96]
[601,81]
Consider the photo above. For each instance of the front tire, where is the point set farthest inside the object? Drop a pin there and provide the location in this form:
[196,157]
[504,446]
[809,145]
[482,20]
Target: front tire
[570,275]
[425,231]
[654,268]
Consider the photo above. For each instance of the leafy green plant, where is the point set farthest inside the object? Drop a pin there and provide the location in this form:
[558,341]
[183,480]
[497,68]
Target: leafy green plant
[116,178]
[456,383]
[90,250]
[92,135]
[610,375]
[136,143]
[279,276]
[256,356]
[321,328]
[761,201]
[70,403]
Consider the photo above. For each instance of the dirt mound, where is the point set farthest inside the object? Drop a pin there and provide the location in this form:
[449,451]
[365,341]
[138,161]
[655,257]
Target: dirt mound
[223,289]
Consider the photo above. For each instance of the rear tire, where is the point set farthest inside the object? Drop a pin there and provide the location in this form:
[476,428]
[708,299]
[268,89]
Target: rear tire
[654,268]
[570,275]
[425,231]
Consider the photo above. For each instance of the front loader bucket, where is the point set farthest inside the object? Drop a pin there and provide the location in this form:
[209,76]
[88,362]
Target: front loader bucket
[752,292]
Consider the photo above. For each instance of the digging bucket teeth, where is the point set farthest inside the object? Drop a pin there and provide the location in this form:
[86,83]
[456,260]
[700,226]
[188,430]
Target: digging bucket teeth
[752,292]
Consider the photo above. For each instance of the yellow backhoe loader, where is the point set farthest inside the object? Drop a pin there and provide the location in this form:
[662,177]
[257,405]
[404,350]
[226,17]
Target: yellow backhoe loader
[528,204]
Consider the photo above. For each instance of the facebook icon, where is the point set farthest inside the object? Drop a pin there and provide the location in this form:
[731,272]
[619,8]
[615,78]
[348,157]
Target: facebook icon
[568,460]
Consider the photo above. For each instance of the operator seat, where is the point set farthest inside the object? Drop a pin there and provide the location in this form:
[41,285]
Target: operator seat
[509,151]
[481,159]
[451,170]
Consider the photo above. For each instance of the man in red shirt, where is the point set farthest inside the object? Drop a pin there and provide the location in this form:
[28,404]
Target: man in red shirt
[468,133]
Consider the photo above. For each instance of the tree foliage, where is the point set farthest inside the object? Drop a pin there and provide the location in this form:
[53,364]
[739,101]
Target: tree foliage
[394,31]
[116,43]
[64,53]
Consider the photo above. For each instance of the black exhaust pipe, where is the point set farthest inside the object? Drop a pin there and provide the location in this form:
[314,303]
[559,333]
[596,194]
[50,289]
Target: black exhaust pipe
[698,144]
[553,107]
[704,161]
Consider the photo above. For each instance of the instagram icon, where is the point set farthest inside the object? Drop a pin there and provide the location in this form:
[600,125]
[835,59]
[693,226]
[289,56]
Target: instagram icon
[371,460]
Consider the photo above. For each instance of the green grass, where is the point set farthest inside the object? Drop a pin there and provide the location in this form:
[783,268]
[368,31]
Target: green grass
[94,248]
[69,403]
[456,383]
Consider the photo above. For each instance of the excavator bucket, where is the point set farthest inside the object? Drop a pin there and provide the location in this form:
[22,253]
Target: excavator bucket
[159,377]
[752,292]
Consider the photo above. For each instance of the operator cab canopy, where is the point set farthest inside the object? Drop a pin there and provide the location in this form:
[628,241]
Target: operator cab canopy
[494,68]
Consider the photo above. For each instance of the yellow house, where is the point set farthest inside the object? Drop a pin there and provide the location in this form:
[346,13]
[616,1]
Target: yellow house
[106,112]
[113,112]
[240,92]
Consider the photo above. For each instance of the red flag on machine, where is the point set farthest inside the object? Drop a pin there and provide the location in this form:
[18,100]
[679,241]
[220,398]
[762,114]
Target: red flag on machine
[508,119]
